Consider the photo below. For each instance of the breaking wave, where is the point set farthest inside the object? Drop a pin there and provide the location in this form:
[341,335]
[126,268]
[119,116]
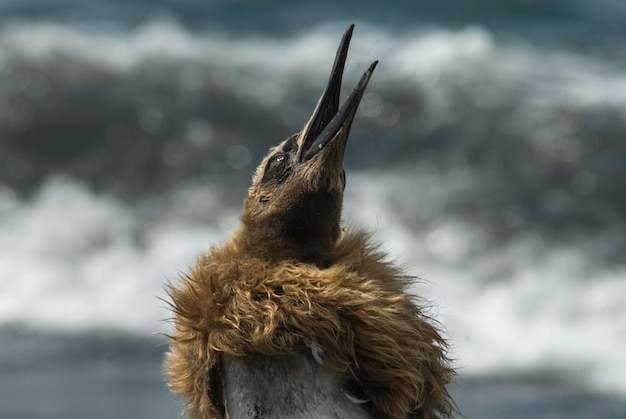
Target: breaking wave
[492,168]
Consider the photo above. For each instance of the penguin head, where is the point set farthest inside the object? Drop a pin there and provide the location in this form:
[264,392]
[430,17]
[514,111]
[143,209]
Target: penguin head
[293,208]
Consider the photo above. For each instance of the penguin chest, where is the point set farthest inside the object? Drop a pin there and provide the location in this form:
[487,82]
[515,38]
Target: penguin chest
[287,386]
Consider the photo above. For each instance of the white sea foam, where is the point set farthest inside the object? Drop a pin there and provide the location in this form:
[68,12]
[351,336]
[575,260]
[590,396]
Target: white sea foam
[74,260]
[427,60]
[523,305]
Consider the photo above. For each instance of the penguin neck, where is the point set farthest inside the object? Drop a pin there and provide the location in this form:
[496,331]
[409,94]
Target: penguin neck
[307,232]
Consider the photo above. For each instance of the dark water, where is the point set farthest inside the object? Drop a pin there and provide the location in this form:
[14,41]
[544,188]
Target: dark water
[489,154]
[99,377]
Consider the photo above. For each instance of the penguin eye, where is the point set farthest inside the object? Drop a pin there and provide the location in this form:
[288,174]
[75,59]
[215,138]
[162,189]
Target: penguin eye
[276,168]
[275,162]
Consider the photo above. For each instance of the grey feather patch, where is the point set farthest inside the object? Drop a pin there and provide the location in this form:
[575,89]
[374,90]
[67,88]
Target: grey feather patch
[317,352]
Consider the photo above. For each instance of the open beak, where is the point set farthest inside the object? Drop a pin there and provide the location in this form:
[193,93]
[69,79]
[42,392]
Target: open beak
[328,120]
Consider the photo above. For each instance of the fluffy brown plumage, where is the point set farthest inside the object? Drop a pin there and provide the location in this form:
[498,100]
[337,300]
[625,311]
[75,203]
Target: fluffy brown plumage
[291,278]
[356,310]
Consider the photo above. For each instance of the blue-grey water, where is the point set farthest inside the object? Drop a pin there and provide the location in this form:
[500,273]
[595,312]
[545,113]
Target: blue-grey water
[488,156]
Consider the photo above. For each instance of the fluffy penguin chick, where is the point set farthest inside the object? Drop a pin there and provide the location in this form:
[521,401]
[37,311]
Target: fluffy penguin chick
[293,317]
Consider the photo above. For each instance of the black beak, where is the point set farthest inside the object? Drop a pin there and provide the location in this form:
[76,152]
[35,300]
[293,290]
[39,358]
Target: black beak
[328,119]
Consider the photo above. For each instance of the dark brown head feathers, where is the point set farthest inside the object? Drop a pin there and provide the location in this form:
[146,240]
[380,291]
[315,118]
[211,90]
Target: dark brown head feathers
[293,210]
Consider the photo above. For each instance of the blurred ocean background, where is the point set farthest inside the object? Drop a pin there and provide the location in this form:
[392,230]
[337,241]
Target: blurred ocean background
[488,156]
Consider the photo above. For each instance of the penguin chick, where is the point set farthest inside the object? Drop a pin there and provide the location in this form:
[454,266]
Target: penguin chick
[293,317]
